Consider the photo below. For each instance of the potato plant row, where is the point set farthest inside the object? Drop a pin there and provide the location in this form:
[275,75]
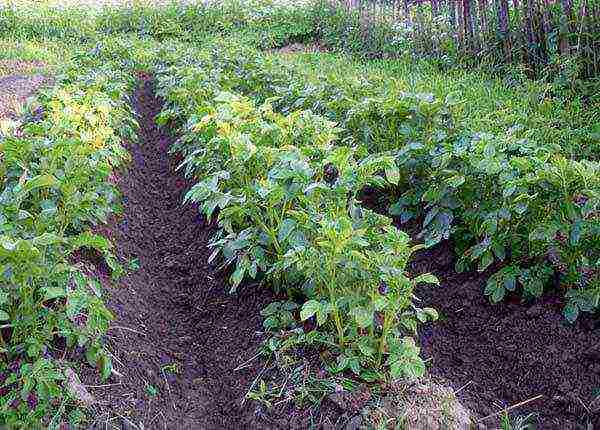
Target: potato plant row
[528,214]
[56,166]
[285,195]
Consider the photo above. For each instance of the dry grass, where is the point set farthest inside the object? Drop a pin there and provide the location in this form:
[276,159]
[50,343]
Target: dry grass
[296,48]
[426,405]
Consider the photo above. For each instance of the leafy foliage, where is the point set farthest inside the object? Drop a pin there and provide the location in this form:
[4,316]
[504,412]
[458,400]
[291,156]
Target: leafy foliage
[280,162]
[526,210]
[55,173]
[285,196]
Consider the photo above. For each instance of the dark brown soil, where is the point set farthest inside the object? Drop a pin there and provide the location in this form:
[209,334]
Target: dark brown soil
[178,336]
[504,354]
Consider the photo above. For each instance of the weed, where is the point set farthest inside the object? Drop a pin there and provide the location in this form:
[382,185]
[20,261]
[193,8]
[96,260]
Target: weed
[151,390]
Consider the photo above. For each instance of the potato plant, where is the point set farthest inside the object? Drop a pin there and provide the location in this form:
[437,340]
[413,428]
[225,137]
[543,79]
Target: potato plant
[358,286]
[533,212]
[285,196]
[55,172]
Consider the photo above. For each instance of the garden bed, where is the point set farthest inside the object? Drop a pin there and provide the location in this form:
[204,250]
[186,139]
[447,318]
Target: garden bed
[185,351]
[498,356]
[335,302]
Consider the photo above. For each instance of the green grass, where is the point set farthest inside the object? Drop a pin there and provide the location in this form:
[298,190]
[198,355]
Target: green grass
[485,103]
[32,57]
[538,111]
[51,52]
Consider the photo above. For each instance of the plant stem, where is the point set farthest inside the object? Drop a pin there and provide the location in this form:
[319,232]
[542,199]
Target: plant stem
[382,340]
[335,312]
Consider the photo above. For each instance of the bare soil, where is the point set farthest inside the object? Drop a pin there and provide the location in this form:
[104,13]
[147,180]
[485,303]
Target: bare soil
[15,89]
[498,356]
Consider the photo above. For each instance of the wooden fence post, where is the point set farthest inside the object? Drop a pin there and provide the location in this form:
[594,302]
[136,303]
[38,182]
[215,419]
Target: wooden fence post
[503,16]
[565,26]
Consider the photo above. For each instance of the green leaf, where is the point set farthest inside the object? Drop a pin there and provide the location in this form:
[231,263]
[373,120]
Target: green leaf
[237,276]
[392,173]
[90,240]
[270,309]
[4,316]
[41,181]
[426,278]
[322,313]
[433,194]
[427,314]
[365,347]
[47,239]
[486,260]
[309,309]
[354,365]
[497,294]
[285,229]
[105,364]
[91,354]
[544,232]
[499,251]
[576,232]
[362,316]
[405,361]
[510,282]
[571,312]
[54,293]
[23,215]
[7,243]
[48,207]
[271,322]
[456,181]
[415,369]
[380,303]
[509,191]
[490,150]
